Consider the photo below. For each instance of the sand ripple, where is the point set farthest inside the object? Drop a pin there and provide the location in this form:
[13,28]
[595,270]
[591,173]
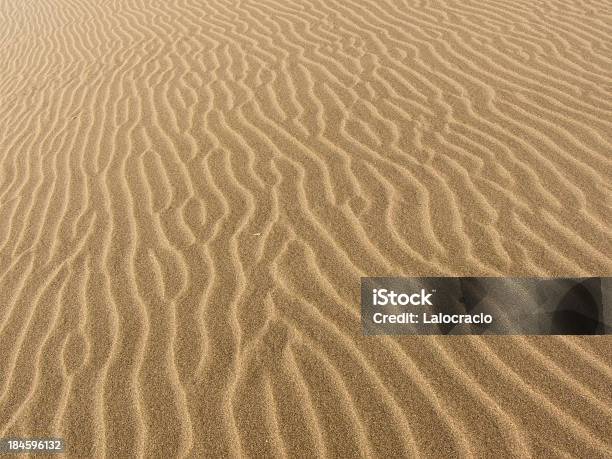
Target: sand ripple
[190,191]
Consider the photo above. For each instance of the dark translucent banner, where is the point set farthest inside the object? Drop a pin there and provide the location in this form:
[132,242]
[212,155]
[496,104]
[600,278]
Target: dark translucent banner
[486,305]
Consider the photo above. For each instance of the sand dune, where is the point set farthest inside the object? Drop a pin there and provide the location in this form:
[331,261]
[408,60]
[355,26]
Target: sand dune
[190,191]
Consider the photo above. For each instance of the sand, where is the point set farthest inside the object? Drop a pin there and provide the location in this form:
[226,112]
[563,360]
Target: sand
[191,190]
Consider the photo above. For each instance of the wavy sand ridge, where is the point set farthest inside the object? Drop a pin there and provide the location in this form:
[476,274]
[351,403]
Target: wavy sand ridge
[190,191]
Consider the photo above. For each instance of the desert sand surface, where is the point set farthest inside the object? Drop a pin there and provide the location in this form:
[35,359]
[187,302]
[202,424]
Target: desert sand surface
[191,190]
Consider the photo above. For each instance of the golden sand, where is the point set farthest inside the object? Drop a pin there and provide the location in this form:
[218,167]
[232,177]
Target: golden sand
[191,190]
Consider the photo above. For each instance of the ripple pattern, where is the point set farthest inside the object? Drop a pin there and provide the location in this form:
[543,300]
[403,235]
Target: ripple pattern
[190,191]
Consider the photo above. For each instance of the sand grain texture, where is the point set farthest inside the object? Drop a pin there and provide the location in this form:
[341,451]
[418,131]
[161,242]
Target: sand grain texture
[191,190]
